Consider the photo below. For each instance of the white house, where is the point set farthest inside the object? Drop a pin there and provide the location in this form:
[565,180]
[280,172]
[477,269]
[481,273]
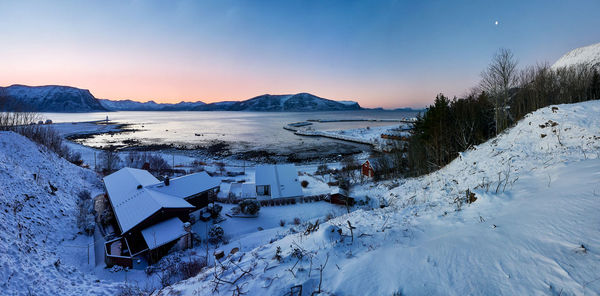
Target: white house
[277,181]
[242,190]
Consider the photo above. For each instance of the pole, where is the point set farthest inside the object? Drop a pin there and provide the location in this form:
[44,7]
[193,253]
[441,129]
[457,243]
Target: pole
[88,251]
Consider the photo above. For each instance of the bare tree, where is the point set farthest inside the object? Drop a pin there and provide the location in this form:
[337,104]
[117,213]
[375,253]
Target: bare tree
[499,77]
[110,160]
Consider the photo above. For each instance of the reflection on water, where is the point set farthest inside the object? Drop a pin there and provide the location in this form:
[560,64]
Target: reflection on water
[247,130]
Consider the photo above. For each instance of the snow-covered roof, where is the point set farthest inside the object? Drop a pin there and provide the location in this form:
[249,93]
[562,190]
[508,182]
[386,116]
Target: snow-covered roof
[132,205]
[243,190]
[163,233]
[282,178]
[187,185]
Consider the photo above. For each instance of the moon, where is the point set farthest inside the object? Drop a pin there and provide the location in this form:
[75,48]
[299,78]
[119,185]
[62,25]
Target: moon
[496,23]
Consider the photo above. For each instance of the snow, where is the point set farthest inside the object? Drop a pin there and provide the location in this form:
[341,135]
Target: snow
[533,229]
[282,178]
[131,204]
[188,185]
[163,232]
[37,228]
[589,55]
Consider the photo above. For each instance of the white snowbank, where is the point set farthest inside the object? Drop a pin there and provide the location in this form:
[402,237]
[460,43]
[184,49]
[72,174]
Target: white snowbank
[537,235]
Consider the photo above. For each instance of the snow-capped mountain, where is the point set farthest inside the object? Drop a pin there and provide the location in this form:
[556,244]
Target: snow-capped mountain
[54,98]
[589,55]
[294,103]
[129,105]
[50,98]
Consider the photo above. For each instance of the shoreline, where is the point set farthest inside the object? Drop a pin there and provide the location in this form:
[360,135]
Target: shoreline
[75,133]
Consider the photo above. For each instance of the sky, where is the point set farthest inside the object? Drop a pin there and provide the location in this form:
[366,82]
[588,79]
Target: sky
[384,53]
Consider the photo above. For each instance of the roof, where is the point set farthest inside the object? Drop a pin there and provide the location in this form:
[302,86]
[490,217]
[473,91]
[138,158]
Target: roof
[243,190]
[163,233]
[282,178]
[187,185]
[132,205]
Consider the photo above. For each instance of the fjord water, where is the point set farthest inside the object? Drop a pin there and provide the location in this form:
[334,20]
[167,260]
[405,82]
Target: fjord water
[243,130]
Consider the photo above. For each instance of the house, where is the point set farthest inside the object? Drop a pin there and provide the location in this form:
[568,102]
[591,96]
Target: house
[277,181]
[338,197]
[150,214]
[368,168]
[242,190]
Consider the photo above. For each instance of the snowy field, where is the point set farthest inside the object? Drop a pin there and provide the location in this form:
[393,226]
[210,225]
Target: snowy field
[533,230]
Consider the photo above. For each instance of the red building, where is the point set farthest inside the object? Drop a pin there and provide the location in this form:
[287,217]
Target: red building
[367,169]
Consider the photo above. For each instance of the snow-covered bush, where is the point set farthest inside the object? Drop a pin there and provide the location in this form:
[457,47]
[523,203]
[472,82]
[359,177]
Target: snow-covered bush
[215,234]
[107,216]
[304,183]
[176,267]
[249,206]
[85,215]
[214,210]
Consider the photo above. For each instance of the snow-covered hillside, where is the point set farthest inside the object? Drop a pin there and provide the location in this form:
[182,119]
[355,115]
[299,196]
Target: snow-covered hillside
[589,55]
[534,228]
[51,98]
[38,229]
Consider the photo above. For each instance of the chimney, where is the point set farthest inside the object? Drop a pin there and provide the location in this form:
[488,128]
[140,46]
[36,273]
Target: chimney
[167,181]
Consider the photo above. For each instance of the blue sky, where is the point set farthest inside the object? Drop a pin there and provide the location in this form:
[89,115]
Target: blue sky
[380,53]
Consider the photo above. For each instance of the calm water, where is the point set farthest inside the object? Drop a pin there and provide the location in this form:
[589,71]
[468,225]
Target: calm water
[244,130]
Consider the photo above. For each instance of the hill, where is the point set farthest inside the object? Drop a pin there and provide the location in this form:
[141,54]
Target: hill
[38,229]
[531,230]
[588,55]
[49,98]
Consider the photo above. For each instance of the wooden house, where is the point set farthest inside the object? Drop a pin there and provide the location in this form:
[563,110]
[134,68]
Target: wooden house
[368,168]
[150,214]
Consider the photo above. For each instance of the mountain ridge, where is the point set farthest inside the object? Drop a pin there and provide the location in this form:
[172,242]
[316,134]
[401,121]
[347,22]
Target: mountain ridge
[57,98]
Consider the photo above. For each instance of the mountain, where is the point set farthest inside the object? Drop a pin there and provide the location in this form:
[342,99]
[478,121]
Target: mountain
[129,105]
[54,98]
[49,98]
[589,55]
[300,102]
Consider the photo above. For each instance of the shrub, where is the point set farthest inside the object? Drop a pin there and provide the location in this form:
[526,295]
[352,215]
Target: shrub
[304,183]
[107,216]
[215,234]
[75,158]
[215,210]
[85,216]
[297,221]
[322,169]
[281,222]
[250,206]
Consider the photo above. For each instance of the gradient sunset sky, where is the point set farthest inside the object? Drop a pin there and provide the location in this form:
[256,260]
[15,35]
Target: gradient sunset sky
[379,53]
